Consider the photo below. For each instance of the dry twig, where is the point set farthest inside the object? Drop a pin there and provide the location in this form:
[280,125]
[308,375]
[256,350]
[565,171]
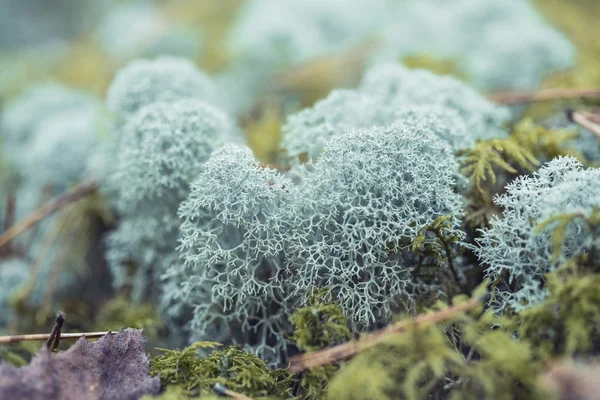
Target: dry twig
[46,336]
[583,119]
[55,336]
[542,95]
[343,351]
[54,205]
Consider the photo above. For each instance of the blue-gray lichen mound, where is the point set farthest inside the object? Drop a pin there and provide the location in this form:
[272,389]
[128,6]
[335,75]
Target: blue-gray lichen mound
[25,116]
[232,243]
[512,246]
[162,150]
[164,79]
[371,192]
[400,88]
[307,131]
[163,146]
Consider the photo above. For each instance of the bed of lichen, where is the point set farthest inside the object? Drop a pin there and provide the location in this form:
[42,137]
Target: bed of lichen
[275,178]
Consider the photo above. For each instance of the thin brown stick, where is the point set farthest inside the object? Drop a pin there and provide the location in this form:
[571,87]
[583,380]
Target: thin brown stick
[46,336]
[509,98]
[222,390]
[594,117]
[305,362]
[54,205]
[582,120]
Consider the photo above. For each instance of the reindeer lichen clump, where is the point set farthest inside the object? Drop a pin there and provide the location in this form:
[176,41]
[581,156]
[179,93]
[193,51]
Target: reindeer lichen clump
[516,245]
[164,79]
[371,192]
[232,247]
[163,146]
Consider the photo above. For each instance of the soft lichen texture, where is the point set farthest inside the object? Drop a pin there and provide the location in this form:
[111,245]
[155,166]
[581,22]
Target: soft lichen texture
[513,246]
[368,212]
[163,79]
[398,87]
[388,93]
[371,192]
[161,150]
[232,247]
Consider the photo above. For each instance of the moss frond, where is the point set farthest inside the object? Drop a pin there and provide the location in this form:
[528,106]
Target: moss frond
[545,143]
[471,356]
[479,162]
[437,245]
[232,367]
[318,325]
[568,322]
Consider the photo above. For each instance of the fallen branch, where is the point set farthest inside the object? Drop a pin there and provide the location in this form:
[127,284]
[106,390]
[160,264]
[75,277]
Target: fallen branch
[51,207]
[46,336]
[305,362]
[582,119]
[509,98]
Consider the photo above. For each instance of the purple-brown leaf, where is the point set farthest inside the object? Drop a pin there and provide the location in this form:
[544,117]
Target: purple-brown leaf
[114,367]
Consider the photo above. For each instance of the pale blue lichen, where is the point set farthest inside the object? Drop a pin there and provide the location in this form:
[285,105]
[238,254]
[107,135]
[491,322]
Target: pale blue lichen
[512,247]
[499,44]
[164,79]
[232,249]
[306,132]
[162,149]
[400,88]
[370,193]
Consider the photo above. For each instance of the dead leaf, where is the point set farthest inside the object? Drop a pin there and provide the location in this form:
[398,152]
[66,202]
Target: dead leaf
[114,367]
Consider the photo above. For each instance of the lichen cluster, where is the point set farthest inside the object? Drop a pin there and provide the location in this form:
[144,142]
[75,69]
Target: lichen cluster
[256,182]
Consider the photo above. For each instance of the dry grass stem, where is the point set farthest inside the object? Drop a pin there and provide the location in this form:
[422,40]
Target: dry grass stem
[343,351]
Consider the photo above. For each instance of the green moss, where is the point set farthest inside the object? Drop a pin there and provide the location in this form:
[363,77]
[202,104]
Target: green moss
[479,164]
[482,164]
[236,369]
[437,246]
[545,144]
[119,313]
[473,355]
[568,322]
[318,325]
